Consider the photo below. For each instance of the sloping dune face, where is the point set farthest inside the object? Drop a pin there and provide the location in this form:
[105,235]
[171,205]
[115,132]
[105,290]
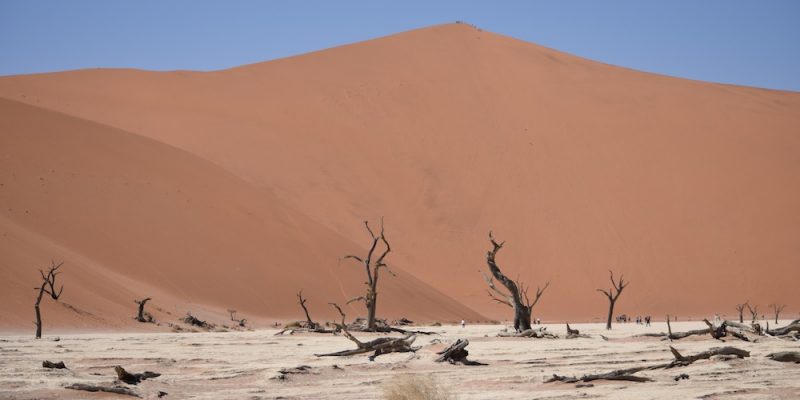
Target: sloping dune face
[689,189]
[134,218]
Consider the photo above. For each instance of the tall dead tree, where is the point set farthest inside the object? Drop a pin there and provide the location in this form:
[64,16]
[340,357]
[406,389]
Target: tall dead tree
[753,312]
[302,301]
[613,295]
[517,295]
[140,316]
[777,309]
[740,308]
[372,269]
[48,280]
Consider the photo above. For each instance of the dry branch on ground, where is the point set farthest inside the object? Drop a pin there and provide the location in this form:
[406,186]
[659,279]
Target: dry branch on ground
[628,373]
[457,353]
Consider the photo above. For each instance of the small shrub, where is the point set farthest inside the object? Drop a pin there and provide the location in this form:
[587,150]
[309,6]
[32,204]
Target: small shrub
[414,387]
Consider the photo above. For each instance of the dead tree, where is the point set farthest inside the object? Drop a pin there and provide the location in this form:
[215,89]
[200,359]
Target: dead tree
[310,324]
[379,346]
[777,309]
[134,379]
[48,280]
[753,312]
[613,295]
[740,308]
[754,318]
[372,268]
[242,322]
[140,316]
[516,296]
[52,281]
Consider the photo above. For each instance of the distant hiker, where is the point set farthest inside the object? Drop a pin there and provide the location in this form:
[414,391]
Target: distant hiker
[463,323]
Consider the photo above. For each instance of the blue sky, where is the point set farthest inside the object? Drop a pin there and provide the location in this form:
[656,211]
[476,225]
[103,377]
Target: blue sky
[754,43]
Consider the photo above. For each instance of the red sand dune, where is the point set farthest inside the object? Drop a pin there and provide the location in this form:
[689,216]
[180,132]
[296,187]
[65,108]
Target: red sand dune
[234,188]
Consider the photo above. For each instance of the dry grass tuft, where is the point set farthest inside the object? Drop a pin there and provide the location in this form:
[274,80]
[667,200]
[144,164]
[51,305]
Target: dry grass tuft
[414,387]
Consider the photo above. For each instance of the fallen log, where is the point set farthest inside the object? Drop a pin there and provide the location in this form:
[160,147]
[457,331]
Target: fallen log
[379,346]
[794,326]
[540,333]
[617,375]
[717,332]
[284,373]
[681,335]
[682,361]
[785,356]
[628,374]
[192,320]
[574,333]
[457,353]
[134,379]
[52,365]
[107,389]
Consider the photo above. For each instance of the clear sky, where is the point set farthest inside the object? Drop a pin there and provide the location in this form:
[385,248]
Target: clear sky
[754,43]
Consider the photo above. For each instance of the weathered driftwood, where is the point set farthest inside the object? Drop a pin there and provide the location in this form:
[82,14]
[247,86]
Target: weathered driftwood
[574,333]
[539,333]
[192,320]
[402,322]
[134,379]
[457,353]
[739,331]
[360,325]
[793,326]
[284,373]
[682,361]
[785,356]
[628,373]
[52,365]
[516,296]
[617,375]
[107,389]
[378,346]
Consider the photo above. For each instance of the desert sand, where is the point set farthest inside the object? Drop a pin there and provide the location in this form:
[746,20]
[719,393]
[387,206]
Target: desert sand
[238,188]
[244,365]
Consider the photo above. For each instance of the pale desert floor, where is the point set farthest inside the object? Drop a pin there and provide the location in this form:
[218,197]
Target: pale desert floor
[240,365]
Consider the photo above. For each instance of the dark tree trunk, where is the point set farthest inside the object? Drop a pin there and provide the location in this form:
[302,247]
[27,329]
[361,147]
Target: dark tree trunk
[371,307]
[38,318]
[42,290]
[141,303]
[522,318]
[610,315]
